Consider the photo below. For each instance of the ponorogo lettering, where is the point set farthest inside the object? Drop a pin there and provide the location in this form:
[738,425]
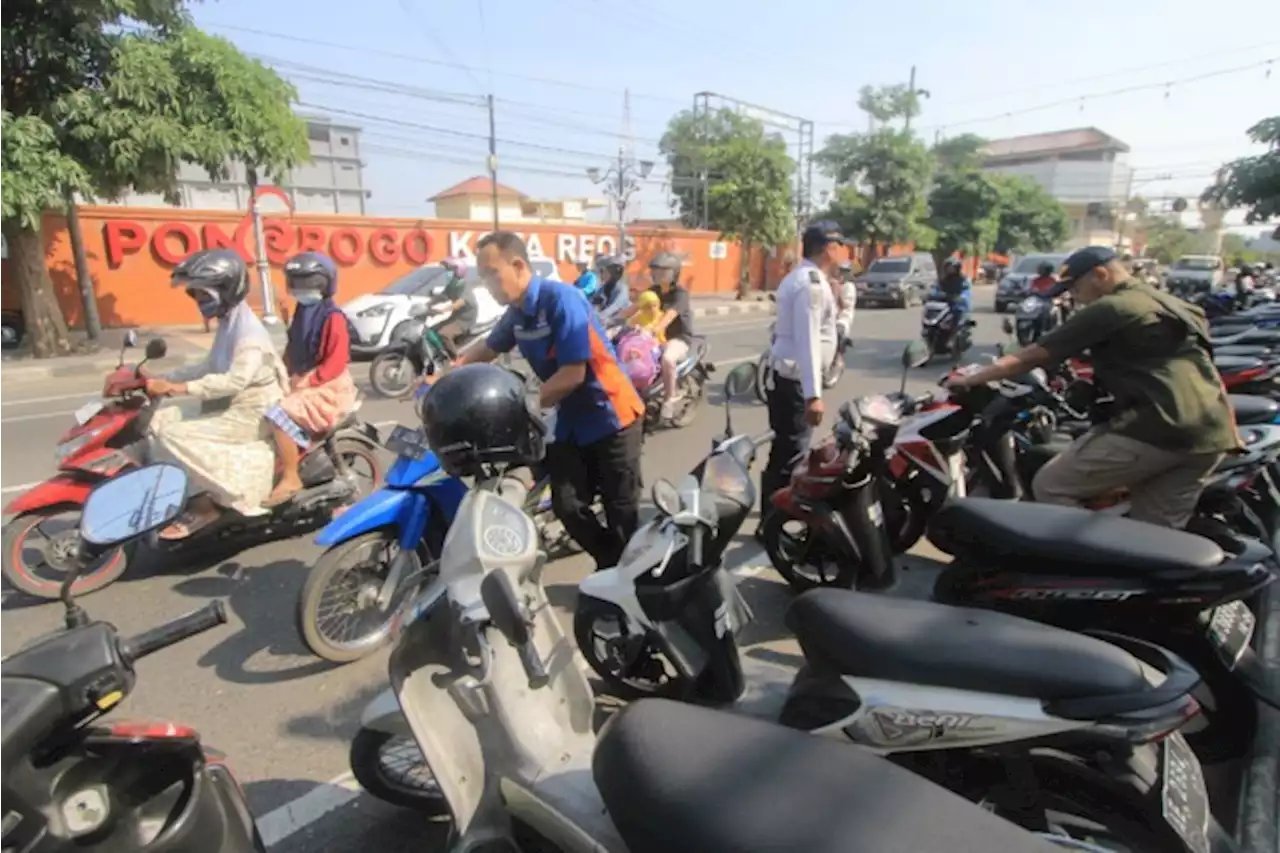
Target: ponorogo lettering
[171,242]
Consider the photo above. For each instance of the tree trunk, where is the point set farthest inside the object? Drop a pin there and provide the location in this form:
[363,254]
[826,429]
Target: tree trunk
[744,269]
[89,301]
[41,313]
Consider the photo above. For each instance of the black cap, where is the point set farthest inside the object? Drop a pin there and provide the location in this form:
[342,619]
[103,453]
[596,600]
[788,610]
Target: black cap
[1083,261]
[820,233]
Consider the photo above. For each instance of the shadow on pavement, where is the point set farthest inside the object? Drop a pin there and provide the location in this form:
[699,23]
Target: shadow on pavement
[340,720]
[255,595]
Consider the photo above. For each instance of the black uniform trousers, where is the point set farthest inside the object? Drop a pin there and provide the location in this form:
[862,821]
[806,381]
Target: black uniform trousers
[609,468]
[786,405]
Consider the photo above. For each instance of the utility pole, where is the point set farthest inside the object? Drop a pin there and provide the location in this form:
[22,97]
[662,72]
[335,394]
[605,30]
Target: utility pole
[493,161]
[260,248]
[912,91]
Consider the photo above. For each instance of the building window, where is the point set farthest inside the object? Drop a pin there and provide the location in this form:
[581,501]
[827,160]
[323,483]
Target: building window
[347,168]
[317,133]
[344,140]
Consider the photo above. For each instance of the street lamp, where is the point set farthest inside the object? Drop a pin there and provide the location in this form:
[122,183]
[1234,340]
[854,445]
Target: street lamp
[620,183]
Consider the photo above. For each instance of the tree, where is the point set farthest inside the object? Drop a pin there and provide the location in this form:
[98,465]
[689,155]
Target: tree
[94,109]
[1167,240]
[748,187]
[885,103]
[1252,182]
[882,181]
[1029,218]
[959,152]
[964,212]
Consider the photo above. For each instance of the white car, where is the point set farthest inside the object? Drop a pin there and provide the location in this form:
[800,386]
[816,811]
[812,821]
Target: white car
[377,316]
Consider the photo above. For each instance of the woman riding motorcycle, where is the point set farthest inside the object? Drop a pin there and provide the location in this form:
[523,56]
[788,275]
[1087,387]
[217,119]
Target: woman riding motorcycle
[612,297]
[464,307]
[227,450]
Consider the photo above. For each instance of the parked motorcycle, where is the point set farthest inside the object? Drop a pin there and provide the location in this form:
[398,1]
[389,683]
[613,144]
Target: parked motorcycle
[417,350]
[110,437]
[663,621]
[482,680]
[72,785]
[382,550]
[944,330]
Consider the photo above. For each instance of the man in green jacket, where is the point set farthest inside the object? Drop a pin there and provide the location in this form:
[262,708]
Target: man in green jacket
[1172,421]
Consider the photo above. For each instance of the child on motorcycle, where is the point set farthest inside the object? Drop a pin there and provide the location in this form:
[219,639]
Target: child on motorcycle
[229,463]
[317,356]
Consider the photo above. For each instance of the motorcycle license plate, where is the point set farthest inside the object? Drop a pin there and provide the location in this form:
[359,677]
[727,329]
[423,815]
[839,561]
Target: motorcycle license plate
[407,442]
[87,411]
[1183,798]
[1230,630]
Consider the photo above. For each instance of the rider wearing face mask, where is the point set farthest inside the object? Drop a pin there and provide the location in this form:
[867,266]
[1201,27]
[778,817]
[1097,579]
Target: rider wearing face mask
[229,463]
[1172,422]
[317,355]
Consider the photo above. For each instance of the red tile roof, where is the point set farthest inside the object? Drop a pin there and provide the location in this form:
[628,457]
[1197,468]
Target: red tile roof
[476,186]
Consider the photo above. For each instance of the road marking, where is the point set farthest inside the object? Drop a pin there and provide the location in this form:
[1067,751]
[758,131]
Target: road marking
[279,824]
[21,488]
[33,400]
[41,417]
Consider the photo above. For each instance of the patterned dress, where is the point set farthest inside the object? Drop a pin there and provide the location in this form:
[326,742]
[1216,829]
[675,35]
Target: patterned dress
[227,451]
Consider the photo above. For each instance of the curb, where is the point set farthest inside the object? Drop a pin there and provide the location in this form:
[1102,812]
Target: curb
[1260,787]
[755,306]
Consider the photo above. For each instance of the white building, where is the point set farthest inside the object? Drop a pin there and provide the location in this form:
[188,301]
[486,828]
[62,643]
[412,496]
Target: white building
[333,182]
[1085,169]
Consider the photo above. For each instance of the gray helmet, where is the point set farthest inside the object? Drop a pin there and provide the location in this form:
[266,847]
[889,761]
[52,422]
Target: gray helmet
[216,278]
[610,262]
[667,261]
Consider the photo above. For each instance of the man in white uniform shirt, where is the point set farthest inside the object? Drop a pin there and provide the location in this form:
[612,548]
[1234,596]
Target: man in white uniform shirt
[804,342]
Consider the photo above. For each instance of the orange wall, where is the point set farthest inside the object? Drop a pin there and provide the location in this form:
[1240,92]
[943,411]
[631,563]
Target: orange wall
[132,250]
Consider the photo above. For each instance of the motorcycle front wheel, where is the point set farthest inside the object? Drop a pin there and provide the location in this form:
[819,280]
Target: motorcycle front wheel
[392,374]
[393,769]
[41,546]
[631,667]
[798,555]
[338,614]
[763,371]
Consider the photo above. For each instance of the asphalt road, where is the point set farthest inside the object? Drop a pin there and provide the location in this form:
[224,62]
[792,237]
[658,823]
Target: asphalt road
[285,718]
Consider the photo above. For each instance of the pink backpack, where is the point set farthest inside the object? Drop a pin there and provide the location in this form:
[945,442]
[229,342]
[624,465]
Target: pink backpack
[638,355]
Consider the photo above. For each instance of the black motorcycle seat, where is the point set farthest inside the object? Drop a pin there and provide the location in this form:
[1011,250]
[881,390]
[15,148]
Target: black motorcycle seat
[1065,538]
[676,778]
[1252,409]
[923,642]
[1236,362]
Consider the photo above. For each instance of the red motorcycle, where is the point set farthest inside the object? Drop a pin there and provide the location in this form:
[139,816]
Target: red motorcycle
[109,437]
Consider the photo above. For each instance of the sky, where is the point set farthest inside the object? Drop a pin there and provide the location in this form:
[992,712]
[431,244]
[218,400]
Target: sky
[1180,82]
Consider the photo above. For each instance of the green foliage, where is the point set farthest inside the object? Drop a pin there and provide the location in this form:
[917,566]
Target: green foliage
[1252,182]
[883,179]
[1030,219]
[960,152]
[964,212]
[1167,240]
[885,103]
[34,170]
[1234,248]
[749,175]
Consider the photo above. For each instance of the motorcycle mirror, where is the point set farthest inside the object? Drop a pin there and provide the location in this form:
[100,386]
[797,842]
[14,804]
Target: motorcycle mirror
[999,350]
[915,354]
[1007,326]
[740,381]
[132,504]
[156,348]
[666,497]
[503,603]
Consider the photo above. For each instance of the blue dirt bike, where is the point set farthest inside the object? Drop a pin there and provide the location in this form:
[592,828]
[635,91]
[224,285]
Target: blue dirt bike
[383,550]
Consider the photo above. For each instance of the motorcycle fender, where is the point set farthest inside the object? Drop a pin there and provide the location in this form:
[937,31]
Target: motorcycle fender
[58,489]
[365,433]
[383,714]
[407,511]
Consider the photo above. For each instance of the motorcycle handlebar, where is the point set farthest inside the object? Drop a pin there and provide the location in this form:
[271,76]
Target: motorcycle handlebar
[196,622]
[758,441]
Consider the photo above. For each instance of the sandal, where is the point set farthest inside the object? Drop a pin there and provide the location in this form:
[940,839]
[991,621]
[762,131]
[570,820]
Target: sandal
[278,500]
[186,524]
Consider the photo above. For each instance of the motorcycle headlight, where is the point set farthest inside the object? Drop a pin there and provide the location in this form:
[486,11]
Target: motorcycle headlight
[70,448]
[376,310]
[1030,305]
[505,530]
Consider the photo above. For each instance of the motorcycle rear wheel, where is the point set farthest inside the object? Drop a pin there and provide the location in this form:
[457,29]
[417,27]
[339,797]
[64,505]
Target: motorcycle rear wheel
[356,567]
[392,374]
[404,779]
[42,578]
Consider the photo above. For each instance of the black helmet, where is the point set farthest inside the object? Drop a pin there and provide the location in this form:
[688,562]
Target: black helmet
[215,278]
[477,416]
[1046,268]
[667,261]
[951,265]
[610,263]
[311,271]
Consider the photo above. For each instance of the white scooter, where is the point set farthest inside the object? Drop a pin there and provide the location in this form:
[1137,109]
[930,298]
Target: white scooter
[491,692]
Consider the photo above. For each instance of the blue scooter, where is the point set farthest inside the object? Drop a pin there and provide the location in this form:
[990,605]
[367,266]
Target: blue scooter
[380,551]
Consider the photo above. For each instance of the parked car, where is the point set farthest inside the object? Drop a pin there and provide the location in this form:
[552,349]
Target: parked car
[377,317]
[1191,274]
[898,280]
[1013,287]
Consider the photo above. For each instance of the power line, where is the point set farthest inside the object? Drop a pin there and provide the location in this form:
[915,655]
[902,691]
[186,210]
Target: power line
[425,61]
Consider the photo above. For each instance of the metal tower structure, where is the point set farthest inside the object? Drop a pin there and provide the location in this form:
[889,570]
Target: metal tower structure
[795,128]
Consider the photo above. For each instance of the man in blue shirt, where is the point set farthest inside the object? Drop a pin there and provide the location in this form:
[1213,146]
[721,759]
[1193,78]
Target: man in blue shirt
[600,420]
